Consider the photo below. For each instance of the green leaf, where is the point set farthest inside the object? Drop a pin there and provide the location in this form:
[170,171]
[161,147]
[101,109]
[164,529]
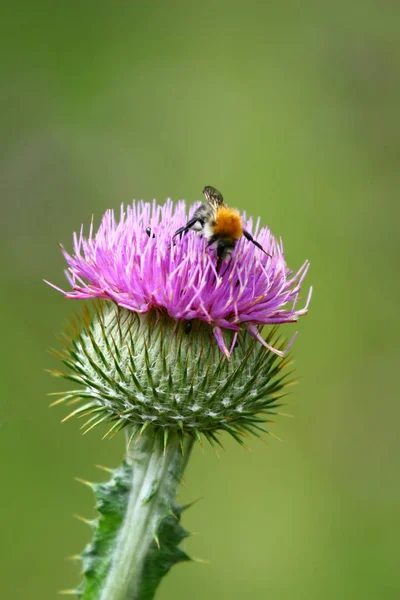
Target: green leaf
[164,555]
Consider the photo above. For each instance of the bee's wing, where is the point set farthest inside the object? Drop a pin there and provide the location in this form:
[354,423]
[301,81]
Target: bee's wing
[213,196]
[213,208]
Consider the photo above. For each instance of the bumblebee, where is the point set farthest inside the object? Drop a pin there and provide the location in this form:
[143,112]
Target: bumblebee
[218,224]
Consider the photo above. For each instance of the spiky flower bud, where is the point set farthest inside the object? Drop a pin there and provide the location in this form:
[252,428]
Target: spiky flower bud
[147,358]
[140,370]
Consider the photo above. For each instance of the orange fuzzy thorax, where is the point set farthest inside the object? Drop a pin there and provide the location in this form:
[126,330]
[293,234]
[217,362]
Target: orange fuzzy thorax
[228,223]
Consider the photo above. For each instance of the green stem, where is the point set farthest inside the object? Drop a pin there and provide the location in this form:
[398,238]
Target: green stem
[157,472]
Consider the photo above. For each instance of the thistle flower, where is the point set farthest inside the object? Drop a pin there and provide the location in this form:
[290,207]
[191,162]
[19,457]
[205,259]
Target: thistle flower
[150,362]
[141,272]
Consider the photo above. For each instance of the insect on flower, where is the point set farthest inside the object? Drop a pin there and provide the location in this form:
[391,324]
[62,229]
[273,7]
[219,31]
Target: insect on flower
[219,224]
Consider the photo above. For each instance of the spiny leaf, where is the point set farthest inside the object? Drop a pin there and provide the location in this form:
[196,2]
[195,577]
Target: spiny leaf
[111,502]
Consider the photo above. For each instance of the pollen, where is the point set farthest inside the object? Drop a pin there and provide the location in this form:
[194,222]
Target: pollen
[228,223]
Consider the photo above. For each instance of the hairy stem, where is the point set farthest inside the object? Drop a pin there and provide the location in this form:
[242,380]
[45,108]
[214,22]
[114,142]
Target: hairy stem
[156,474]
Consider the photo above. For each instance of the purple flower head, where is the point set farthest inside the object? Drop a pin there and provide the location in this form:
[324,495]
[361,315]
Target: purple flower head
[143,270]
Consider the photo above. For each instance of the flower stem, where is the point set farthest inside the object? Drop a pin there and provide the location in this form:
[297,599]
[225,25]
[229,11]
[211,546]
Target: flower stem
[156,475]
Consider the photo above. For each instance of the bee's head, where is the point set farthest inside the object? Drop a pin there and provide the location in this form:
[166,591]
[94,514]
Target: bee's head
[212,195]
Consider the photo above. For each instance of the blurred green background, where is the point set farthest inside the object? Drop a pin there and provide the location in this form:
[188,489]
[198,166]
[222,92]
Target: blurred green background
[292,110]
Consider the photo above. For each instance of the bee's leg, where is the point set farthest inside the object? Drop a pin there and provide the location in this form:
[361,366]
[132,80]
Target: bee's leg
[219,250]
[227,266]
[180,231]
[249,237]
[185,228]
[220,256]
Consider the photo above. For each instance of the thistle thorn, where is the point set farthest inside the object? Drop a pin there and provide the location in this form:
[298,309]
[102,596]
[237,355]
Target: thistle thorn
[106,469]
[87,483]
[83,520]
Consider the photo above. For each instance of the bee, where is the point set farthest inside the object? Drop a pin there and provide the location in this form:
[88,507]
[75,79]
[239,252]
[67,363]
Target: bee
[219,224]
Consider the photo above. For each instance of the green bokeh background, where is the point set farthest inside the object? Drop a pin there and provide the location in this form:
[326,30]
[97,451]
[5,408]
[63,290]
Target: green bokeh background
[292,110]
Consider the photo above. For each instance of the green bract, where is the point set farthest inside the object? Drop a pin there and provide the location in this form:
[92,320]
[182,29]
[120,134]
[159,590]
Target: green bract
[136,370]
